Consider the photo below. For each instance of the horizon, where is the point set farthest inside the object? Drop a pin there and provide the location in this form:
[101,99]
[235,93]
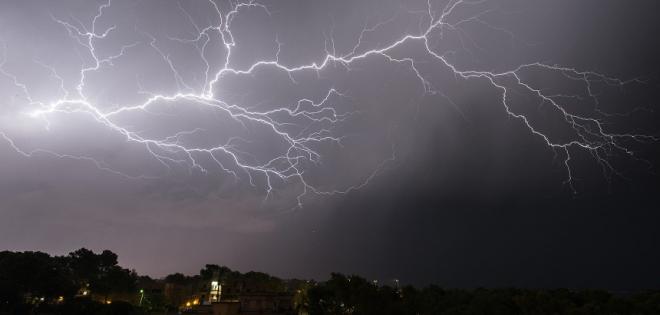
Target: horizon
[391,282]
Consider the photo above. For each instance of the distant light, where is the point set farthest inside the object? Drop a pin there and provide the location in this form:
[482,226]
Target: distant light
[141,290]
[188,304]
[108,302]
[85,292]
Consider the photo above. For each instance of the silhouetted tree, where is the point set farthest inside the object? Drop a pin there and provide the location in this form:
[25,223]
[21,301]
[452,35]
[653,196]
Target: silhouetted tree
[100,272]
[32,282]
[32,276]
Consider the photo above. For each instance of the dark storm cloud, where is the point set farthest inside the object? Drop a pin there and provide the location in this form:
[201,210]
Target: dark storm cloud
[473,197]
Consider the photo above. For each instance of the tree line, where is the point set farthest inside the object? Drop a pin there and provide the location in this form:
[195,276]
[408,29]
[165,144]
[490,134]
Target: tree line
[355,295]
[36,280]
[84,282]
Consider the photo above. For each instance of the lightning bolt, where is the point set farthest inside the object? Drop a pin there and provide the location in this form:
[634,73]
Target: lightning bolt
[303,125]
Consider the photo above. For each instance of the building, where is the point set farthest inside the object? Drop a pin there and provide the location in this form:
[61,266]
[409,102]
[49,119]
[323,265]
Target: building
[245,297]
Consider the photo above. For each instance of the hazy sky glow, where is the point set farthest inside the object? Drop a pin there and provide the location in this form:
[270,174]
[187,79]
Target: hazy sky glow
[439,141]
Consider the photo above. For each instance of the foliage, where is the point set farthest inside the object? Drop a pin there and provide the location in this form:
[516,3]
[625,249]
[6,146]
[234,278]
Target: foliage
[35,280]
[100,272]
[37,283]
[355,295]
[33,275]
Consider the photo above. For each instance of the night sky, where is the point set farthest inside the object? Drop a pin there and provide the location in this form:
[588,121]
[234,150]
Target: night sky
[463,143]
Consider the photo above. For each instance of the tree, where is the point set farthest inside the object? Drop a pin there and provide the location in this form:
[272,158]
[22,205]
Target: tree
[100,272]
[32,275]
[353,295]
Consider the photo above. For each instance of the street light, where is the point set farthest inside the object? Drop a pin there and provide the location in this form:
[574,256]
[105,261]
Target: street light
[141,296]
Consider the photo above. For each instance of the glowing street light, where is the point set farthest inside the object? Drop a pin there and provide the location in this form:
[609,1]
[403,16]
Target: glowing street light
[141,296]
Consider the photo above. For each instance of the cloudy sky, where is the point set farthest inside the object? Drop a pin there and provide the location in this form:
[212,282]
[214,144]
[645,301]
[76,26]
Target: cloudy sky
[463,143]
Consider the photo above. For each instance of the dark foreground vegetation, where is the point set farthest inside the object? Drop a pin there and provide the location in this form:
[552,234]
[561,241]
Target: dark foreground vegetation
[85,282]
